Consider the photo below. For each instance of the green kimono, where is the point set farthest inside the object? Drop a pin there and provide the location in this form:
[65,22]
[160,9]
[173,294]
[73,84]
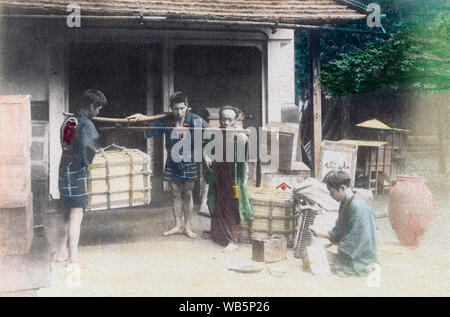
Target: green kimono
[245,206]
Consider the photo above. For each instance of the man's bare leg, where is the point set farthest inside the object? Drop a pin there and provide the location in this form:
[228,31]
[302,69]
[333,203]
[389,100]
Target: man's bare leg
[204,197]
[188,203]
[76,216]
[177,210]
[62,251]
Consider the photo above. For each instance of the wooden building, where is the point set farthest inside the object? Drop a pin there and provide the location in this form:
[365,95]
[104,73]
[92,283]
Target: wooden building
[238,52]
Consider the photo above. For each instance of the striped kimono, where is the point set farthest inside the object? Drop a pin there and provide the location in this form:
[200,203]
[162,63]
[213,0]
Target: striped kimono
[79,142]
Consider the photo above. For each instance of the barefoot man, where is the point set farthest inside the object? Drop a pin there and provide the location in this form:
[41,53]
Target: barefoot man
[79,143]
[228,208]
[179,174]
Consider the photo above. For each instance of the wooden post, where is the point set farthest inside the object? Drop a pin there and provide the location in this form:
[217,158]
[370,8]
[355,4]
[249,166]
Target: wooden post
[345,118]
[149,56]
[57,88]
[314,44]
[168,89]
[299,156]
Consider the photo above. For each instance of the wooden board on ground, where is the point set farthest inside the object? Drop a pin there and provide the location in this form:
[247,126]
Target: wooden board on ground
[316,260]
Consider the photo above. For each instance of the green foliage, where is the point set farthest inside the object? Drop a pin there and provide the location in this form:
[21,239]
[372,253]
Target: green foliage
[417,54]
[429,52]
[367,69]
[337,42]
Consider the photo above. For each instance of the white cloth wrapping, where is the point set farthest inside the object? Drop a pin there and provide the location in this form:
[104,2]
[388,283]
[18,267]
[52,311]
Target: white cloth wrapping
[315,192]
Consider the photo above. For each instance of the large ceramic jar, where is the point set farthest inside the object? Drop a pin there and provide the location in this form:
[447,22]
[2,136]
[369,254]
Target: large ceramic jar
[411,209]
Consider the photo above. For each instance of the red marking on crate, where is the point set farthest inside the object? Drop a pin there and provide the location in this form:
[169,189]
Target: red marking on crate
[283,186]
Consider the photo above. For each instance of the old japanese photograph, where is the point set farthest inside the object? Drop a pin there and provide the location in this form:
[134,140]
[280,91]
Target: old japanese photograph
[224,148]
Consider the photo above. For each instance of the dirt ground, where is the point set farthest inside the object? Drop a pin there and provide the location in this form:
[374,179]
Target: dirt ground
[124,254]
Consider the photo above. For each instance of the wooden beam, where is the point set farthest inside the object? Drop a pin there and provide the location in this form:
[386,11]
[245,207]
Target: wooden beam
[149,56]
[314,45]
[345,118]
[168,89]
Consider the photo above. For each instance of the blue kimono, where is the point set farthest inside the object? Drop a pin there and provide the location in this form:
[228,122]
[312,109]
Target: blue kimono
[187,170]
[79,139]
[355,234]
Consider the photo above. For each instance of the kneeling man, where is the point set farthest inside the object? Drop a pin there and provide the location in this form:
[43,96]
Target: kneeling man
[354,231]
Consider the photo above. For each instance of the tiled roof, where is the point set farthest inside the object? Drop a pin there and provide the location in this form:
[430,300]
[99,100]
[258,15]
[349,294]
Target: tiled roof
[281,11]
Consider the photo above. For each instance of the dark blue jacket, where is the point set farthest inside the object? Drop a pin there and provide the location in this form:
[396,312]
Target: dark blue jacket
[82,152]
[191,120]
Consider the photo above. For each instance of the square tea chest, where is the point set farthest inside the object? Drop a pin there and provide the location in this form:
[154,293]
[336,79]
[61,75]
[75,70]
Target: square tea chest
[269,250]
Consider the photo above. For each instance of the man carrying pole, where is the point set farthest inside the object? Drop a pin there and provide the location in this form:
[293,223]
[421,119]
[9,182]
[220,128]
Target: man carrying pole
[79,142]
[180,175]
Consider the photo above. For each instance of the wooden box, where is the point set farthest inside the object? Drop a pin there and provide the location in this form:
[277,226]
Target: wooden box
[119,178]
[15,127]
[287,138]
[274,216]
[16,228]
[15,183]
[269,250]
[278,180]
[15,142]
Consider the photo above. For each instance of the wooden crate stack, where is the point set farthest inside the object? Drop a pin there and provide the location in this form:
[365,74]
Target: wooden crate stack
[16,199]
[119,178]
[274,216]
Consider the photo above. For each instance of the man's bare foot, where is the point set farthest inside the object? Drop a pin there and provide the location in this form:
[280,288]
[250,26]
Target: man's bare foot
[231,247]
[174,230]
[74,259]
[204,210]
[72,266]
[206,235]
[61,259]
[61,256]
[189,233]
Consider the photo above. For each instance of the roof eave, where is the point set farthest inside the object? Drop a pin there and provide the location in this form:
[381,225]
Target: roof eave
[331,18]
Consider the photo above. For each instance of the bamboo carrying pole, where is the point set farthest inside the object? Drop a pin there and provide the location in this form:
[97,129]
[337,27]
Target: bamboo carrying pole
[139,129]
[124,120]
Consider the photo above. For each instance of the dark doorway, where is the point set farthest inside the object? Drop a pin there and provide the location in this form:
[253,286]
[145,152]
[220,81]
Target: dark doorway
[120,71]
[213,76]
